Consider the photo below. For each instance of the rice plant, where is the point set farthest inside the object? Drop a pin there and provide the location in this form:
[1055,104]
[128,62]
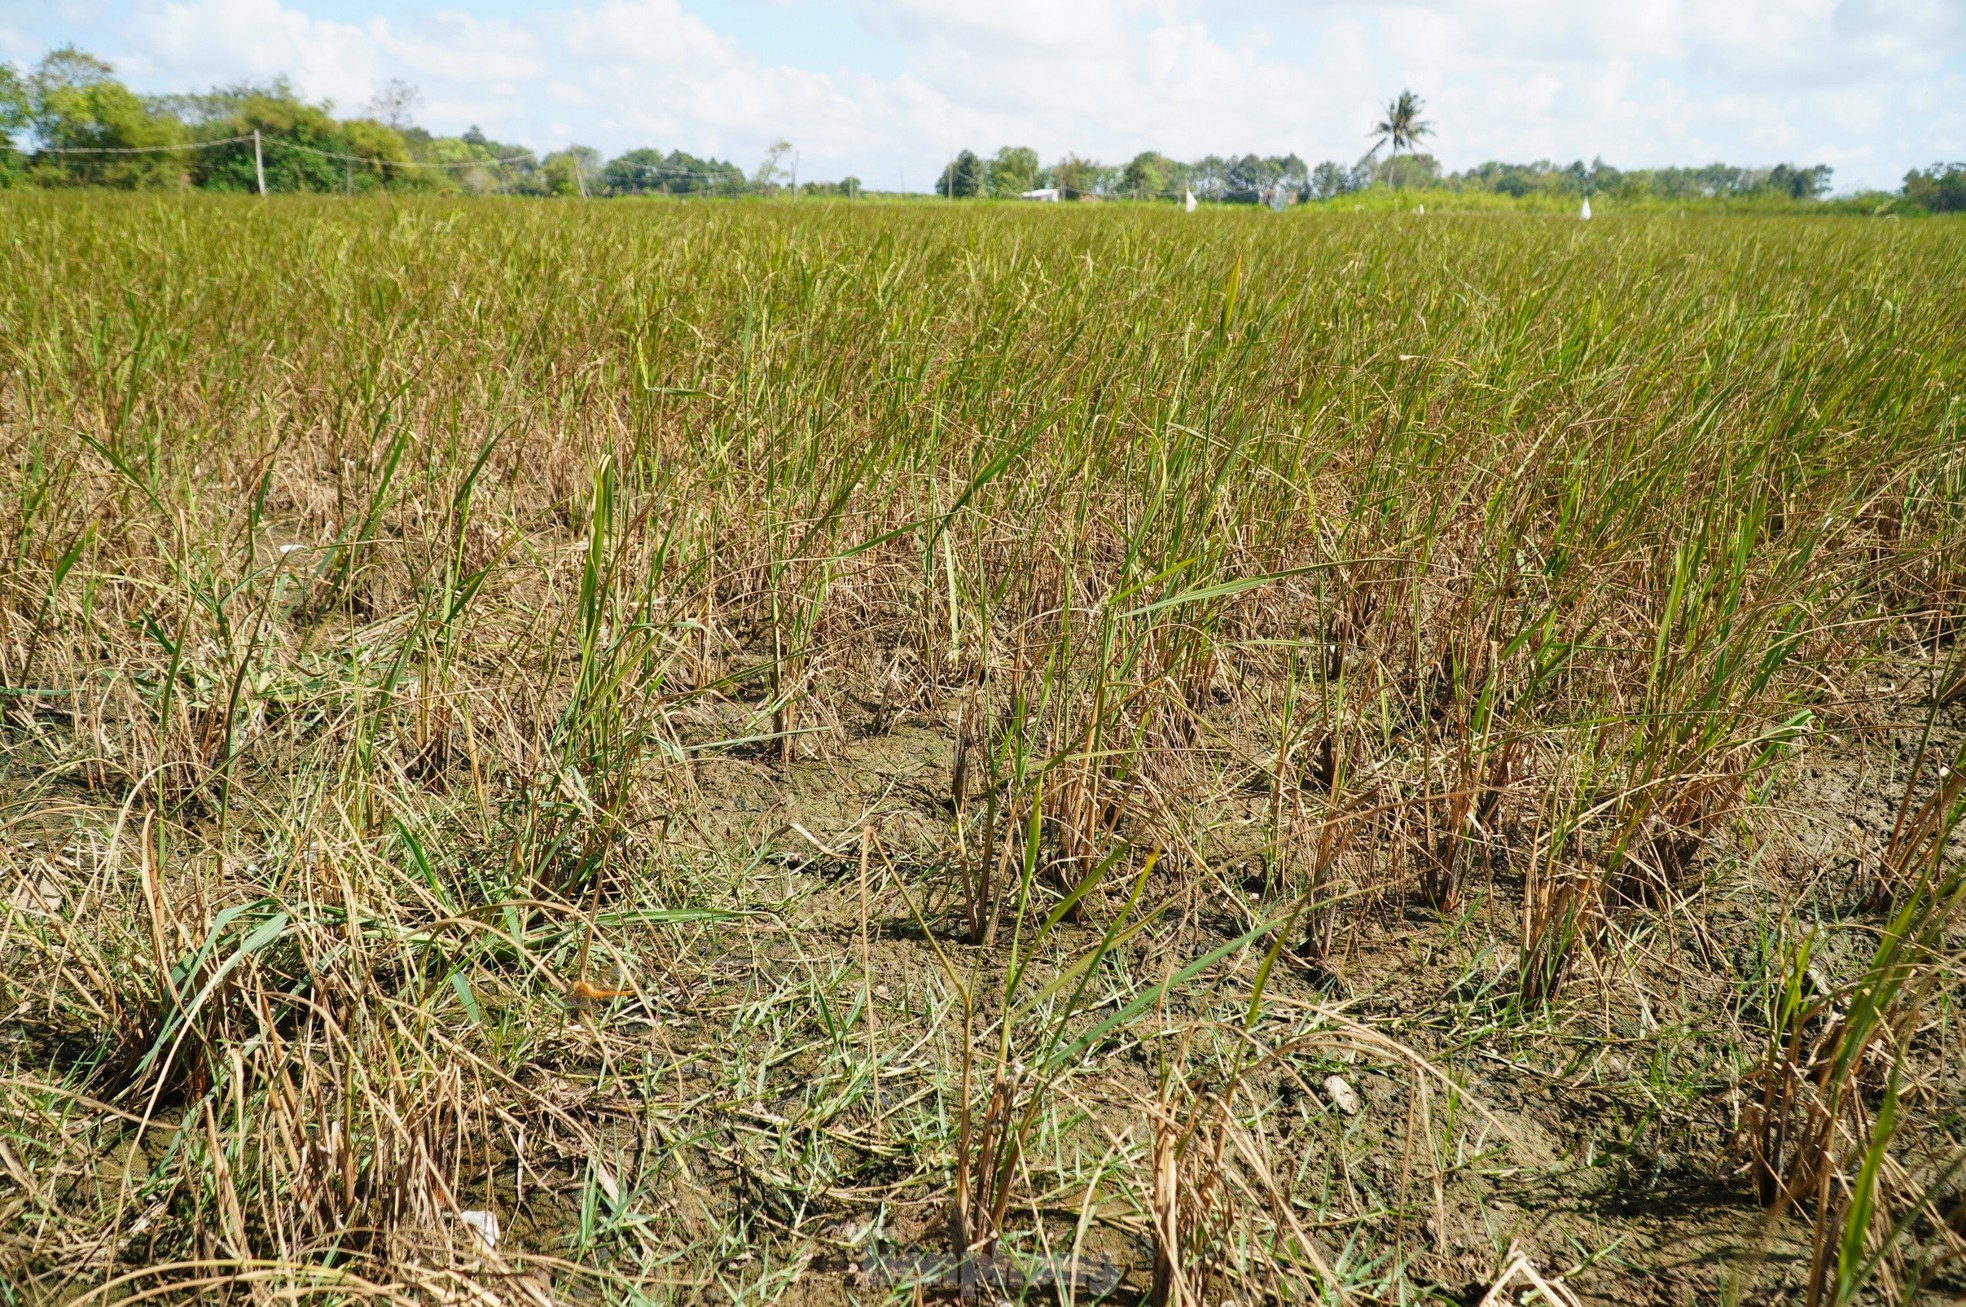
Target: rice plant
[658,751]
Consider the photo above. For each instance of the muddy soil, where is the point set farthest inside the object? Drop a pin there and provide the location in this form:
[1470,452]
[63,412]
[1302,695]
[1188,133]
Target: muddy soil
[1596,1138]
[1613,1120]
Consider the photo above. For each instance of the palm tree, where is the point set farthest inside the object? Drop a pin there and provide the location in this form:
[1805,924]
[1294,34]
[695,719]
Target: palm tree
[1403,127]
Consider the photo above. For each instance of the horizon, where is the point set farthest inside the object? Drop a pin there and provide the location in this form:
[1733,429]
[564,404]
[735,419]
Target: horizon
[890,90]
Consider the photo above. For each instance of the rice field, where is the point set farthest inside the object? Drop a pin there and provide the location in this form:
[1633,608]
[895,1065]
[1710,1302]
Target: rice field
[728,752]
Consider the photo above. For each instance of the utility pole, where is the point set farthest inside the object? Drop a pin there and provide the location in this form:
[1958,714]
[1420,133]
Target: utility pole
[259,162]
[795,174]
[579,176]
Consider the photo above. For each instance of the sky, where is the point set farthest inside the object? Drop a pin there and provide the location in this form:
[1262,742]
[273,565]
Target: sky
[888,90]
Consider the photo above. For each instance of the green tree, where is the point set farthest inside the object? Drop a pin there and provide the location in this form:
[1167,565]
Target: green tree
[13,117]
[13,101]
[1800,183]
[1255,178]
[1329,180]
[1402,127]
[575,171]
[1407,170]
[1013,170]
[384,152]
[685,174]
[772,172]
[1151,175]
[75,105]
[1208,177]
[1075,177]
[962,178]
[1939,189]
[636,172]
[302,145]
[475,164]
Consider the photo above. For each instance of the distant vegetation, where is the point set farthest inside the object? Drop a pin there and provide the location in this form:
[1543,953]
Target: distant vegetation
[69,122]
[88,129]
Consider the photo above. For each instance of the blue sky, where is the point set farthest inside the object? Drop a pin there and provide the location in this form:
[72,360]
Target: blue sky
[887,89]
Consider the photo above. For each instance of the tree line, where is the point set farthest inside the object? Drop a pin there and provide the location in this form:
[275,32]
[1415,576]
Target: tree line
[86,128]
[83,127]
[1252,178]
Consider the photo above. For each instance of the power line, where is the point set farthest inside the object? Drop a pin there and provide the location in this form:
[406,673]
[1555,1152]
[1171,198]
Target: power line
[400,163]
[285,145]
[139,149]
[729,173]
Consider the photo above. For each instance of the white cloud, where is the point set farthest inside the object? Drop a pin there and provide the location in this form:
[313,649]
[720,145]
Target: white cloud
[1871,86]
[461,62]
[650,35]
[1033,24]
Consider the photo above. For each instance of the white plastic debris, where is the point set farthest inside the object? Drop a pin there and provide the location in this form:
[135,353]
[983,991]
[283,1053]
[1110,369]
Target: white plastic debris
[1189,203]
[1342,1096]
[484,1223]
[38,892]
[1585,212]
